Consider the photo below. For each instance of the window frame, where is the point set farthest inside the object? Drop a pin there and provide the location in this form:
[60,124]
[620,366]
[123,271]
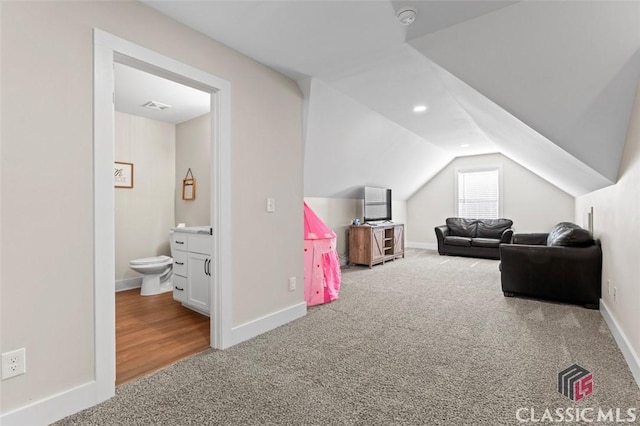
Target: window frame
[474,169]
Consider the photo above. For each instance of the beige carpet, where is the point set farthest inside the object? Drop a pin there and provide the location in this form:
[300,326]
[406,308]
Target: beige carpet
[426,340]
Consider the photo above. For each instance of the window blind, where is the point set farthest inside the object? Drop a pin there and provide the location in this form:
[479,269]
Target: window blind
[479,194]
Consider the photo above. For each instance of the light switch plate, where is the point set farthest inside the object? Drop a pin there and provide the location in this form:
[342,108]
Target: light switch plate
[271,205]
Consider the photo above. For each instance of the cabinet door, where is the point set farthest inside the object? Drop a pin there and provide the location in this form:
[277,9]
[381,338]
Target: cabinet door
[398,239]
[377,249]
[198,287]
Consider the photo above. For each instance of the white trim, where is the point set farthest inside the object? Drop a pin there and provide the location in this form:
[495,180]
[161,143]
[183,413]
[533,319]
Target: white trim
[107,50]
[52,408]
[221,296]
[426,246]
[266,323]
[633,361]
[128,284]
[103,221]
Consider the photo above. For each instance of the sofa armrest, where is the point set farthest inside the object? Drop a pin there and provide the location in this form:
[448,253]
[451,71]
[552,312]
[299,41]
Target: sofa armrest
[506,237]
[538,239]
[554,272]
[441,232]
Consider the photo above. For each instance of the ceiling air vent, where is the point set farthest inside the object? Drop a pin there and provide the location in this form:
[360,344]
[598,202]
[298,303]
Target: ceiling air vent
[155,105]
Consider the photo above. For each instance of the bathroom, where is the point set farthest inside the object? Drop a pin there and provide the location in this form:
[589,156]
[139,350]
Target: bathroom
[157,147]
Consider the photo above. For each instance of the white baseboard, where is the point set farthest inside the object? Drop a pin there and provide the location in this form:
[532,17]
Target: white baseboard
[128,284]
[426,246]
[53,408]
[633,361]
[266,323]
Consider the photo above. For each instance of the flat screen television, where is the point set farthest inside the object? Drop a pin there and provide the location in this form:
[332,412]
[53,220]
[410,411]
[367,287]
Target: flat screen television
[377,204]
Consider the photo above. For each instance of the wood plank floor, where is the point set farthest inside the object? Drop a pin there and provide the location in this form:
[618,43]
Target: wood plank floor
[153,332]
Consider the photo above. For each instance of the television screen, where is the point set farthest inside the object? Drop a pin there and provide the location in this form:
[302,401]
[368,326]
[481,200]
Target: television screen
[377,204]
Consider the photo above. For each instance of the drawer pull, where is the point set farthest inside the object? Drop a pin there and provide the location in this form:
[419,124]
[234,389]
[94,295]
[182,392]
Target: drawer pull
[178,288]
[179,242]
[179,263]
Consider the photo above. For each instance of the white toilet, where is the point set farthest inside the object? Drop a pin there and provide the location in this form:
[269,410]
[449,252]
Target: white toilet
[157,273]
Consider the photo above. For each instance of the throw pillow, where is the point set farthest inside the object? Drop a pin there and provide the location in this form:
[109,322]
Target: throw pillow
[461,227]
[569,235]
[493,228]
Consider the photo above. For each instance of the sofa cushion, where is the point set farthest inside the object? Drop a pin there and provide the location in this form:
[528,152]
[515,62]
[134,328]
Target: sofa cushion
[570,235]
[485,242]
[458,241]
[462,227]
[492,228]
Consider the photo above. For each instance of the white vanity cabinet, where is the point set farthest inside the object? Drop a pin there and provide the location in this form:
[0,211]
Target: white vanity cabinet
[192,270]
[198,281]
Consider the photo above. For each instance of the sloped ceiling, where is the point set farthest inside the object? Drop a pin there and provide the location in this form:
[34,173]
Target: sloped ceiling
[548,84]
[567,69]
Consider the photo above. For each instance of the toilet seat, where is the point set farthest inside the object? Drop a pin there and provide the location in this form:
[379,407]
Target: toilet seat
[152,260]
[157,273]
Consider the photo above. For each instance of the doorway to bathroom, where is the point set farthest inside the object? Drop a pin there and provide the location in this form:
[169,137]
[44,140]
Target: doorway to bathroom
[162,142]
[110,50]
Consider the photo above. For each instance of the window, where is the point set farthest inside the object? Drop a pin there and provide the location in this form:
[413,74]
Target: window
[478,193]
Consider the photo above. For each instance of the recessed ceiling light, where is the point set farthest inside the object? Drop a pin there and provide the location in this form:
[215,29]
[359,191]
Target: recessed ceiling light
[157,106]
[419,108]
[464,145]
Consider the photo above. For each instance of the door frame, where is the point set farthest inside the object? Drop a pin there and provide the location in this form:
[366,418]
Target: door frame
[109,49]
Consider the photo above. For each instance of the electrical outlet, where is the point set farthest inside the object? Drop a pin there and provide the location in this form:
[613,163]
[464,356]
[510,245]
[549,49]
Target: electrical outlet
[292,284]
[14,363]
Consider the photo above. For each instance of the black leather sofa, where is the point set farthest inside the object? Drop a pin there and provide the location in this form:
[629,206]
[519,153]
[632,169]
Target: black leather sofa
[473,237]
[564,265]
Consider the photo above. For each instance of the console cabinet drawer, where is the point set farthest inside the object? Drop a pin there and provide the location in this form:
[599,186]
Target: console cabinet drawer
[180,263]
[179,288]
[179,242]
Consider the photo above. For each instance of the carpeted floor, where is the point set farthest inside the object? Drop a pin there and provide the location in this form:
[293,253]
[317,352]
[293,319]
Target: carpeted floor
[426,340]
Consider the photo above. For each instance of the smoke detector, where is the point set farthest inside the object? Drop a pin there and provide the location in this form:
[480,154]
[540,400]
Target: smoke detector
[406,15]
[157,106]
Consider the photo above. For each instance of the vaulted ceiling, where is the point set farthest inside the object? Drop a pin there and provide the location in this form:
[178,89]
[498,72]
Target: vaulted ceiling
[548,84]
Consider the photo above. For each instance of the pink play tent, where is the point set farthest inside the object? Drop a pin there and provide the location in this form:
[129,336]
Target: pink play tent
[321,261]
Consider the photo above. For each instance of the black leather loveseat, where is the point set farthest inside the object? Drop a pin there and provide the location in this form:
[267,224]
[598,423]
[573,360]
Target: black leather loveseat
[564,265]
[473,237]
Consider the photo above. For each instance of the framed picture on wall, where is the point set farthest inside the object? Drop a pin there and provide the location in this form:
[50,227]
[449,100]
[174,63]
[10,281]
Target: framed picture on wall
[189,189]
[189,186]
[123,175]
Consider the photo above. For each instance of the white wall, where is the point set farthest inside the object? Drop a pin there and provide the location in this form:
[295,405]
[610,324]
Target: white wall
[47,181]
[532,203]
[348,146]
[193,152]
[338,213]
[145,213]
[616,224]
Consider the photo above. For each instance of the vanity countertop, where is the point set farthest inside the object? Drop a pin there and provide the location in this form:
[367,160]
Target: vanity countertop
[206,230]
